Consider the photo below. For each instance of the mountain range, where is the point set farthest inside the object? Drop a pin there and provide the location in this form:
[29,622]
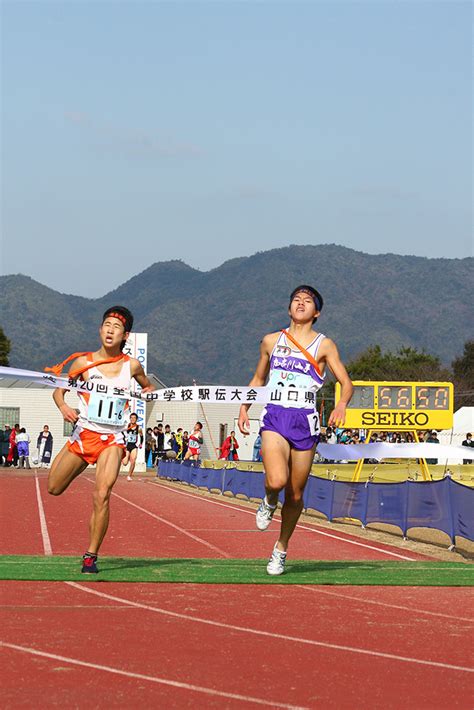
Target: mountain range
[207,325]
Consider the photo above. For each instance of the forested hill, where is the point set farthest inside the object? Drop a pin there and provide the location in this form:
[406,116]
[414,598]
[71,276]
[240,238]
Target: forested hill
[207,325]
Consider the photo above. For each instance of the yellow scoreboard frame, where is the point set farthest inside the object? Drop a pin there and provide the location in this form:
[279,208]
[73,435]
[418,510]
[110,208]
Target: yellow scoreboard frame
[400,406]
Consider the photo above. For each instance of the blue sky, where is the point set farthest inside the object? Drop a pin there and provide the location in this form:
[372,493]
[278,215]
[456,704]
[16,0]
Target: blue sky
[135,132]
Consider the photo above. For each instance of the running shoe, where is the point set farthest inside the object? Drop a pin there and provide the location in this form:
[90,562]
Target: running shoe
[129,478]
[264,515]
[89,564]
[276,563]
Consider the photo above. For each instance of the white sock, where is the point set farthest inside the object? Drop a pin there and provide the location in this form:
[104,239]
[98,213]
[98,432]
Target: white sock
[267,503]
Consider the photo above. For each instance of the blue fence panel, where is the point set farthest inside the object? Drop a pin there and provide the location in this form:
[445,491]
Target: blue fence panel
[257,485]
[164,469]
[349,501]
[237,481]
[319,494]
[462,505]
[210,478]
[182,471]
[429,506]
[387,503]
[444,505]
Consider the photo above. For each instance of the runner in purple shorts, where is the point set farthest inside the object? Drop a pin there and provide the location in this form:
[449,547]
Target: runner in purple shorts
[295,361]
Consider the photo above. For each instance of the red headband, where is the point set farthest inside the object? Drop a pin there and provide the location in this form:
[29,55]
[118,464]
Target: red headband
[119,316]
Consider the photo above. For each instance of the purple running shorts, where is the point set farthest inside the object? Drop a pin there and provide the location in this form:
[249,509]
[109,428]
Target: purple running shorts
[300,427]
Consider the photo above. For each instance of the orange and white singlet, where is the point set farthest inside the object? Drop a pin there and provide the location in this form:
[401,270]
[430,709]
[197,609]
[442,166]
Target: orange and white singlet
[104,413]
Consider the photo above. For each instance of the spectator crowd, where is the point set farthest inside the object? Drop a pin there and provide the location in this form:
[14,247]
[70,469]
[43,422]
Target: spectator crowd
[15,447]
[162,443]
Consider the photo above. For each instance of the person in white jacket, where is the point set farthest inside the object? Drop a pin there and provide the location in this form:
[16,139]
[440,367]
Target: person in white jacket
[23,445]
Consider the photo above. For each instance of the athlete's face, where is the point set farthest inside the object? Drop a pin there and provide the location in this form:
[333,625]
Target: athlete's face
[112,332]
[303,308]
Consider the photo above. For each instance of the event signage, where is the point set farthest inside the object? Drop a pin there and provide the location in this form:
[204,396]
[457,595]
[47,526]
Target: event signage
[205,394]
[137,347]
[401,406]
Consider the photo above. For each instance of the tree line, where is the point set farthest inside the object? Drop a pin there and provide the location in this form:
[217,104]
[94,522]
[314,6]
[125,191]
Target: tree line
[412,365]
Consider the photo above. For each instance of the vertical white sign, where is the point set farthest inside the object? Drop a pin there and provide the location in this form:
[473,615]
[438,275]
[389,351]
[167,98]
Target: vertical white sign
[137,346]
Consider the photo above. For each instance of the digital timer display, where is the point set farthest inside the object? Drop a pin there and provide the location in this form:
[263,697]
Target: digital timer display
[394,397]
[432,397]
[400,405]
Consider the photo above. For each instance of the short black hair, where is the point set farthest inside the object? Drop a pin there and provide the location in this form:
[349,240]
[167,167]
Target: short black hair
[316,296]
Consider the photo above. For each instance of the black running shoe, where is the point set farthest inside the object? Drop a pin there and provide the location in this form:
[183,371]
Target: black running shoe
[89,564]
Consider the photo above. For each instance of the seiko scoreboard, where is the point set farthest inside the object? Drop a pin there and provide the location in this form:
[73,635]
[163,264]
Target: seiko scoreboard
[401,406]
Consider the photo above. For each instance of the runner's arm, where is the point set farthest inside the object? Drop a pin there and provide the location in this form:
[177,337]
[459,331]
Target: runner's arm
[330,354]
[259,378]
[138,374]
[68,413]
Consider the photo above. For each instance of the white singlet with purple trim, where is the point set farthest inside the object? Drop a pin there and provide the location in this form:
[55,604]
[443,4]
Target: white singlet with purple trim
[289,369]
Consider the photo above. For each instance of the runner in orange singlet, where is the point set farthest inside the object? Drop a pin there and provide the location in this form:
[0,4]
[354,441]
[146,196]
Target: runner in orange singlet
[98,434]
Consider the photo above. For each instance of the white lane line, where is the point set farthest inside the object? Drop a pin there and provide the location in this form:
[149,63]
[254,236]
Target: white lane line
[318,590]
[152,679]
[48,550]
[269,634]
[168,522]
[233,506]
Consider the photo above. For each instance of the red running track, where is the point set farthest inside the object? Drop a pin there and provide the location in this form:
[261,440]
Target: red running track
[210,645]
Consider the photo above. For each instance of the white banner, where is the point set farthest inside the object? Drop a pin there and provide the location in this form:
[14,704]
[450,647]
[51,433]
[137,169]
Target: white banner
[201,394]
[378,451]
[247,395]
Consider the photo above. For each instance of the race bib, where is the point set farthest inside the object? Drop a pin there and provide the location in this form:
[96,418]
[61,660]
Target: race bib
[106,410]
[313,421]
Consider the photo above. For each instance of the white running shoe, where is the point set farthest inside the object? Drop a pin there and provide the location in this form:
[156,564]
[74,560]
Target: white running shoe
[129,478]
[276,563]
[264,515]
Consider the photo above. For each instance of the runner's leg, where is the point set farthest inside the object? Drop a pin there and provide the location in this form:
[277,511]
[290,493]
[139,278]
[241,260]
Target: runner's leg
[65,467]
[133,459]
[275,454]
[300,467]
[107,470]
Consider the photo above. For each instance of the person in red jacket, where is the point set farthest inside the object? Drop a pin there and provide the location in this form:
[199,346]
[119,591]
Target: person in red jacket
[229,448]
[12,458]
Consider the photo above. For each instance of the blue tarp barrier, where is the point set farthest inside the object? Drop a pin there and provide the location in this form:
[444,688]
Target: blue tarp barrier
[444,505]
[387,503]
[462,507]
[319,494]
[349,501]
[429,506]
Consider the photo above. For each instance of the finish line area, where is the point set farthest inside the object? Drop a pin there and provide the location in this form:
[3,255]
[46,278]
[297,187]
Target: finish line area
[183,612]
[209,571]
